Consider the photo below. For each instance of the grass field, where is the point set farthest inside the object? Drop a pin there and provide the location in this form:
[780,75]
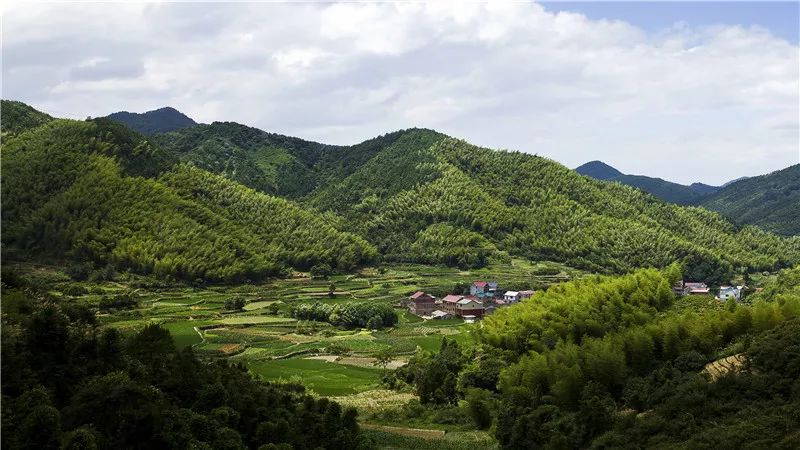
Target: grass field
[325,378]
[183,332]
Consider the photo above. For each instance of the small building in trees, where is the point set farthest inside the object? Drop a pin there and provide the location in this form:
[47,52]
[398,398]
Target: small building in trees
[690,288]
[695,288]
[525,294]
[726,292]
[511,297]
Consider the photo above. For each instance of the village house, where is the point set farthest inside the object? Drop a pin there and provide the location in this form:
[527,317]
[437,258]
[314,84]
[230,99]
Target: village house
[511,297]
[422,304]
[726,292]
[483,289]
[469,307]
[450,302]
[525,295]
[682,288]
[695,288]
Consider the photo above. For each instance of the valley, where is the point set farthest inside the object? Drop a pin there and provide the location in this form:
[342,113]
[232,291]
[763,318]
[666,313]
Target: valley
[254,284]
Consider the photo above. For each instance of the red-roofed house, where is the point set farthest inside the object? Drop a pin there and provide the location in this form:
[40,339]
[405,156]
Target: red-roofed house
[695,288]
[450,303]
[482,289]
[422,304]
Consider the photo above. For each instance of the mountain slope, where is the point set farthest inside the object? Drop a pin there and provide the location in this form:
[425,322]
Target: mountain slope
[269,162]
[533,207]
[111,195]
[16,117]
[101,201]
[770,201]
[665,190]
[157,121]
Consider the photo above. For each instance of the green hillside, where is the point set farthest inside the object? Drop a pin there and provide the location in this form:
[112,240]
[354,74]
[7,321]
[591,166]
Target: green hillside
[101,201]
[530,206]
[770,201]
[269,162]
[196,203]
[16,117]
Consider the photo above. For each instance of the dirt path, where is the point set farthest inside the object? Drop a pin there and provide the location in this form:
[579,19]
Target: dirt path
[202,337]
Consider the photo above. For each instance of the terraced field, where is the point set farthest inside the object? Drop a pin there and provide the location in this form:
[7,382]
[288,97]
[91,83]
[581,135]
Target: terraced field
[277,347]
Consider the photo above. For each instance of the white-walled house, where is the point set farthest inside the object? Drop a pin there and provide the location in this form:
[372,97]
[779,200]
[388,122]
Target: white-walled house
[726,292]
[511,296]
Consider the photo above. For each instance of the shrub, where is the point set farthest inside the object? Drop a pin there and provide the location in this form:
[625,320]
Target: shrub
[127,300]
[76,291]
[234,304]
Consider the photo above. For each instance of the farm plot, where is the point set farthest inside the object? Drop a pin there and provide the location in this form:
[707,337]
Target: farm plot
[253,320]
[183,332]
[323,377]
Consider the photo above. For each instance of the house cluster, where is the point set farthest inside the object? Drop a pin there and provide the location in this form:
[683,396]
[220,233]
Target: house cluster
[682,288]
[483,299]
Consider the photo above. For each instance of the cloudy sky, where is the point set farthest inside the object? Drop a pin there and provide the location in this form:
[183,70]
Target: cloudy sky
[688,92]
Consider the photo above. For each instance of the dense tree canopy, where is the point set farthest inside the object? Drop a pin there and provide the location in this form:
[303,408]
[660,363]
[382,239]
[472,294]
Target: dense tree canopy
[633,379]
[412,195]
[99,202]
[770,201]
[371,315]
[532,207]
[67,384]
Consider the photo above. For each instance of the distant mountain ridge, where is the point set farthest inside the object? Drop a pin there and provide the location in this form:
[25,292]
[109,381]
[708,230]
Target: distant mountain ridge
[160,120]
[770,201]
[663,189]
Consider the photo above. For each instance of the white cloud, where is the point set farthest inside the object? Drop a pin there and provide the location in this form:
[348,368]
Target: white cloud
[684,103]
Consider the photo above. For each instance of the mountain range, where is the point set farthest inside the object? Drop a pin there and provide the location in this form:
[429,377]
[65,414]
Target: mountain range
[665,190]
[159,120]
[770,201]
[227,202]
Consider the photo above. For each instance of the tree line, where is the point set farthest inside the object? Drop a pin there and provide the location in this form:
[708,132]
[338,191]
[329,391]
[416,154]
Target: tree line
[69,384]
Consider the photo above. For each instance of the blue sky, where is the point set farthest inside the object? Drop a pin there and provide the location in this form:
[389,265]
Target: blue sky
[712,99]
[781,18]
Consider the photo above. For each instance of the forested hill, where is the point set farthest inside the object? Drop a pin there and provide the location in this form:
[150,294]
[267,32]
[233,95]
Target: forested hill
[96,191]
[455,202]
[160,120]
[16,117]
[202,202]
[665,190]
[273,163]
[770,201]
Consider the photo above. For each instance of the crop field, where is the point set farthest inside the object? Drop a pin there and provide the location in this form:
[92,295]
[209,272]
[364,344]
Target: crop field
[277,347]
[323,377]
